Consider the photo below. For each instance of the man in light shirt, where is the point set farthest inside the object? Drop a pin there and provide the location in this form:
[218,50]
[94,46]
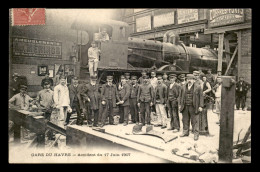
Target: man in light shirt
[93,58]
[103,34]
[153,82]
[61,98]
[21,100]
[217,91]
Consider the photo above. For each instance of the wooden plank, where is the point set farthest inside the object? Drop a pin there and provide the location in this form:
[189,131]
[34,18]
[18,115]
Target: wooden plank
[244,140]
[226,120]
[220,50]
[239,53]
[227,49]
[233,56]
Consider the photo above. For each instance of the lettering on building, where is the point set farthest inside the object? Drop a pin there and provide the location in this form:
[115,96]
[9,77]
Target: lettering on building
[187,15]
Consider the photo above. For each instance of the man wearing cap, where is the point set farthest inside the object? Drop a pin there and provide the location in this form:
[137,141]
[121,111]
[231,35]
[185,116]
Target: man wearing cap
[182,79]
[241,91]
[198,81]
[141,79]
[93,58]
[173,95]
[124,104]
[76,101]
[91,96]
[103,34]
[160,102]
[21,100]
[14,85]
[133,100]
[48,79]
[45,99]
[109,96]
[165,80]
[145,97]
[57,77]
[62,99]
[191,102]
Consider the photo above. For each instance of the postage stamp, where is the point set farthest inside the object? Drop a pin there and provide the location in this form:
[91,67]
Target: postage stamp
[28,16]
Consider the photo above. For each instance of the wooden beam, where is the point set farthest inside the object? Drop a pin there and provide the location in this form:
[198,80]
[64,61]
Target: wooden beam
[226,120]
[227,49]
[229,64]
[244,140]
[239,53]
[220,51]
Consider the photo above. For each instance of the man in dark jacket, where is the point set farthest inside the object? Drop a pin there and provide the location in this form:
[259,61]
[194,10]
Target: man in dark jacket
[48,79]
[91,96]
[173,95]
[109,96]
[133,100]
[76,101]
[145,98]
[124,104]
[241,91]
[191,102]
[160,102]
[141,79]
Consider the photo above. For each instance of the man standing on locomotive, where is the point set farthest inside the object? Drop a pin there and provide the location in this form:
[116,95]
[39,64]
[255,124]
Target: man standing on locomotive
[124,104]
[191,102]
[145,98]
[93,58]
[109,96]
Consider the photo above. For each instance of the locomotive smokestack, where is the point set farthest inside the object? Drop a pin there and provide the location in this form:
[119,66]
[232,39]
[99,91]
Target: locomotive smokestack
[171,37]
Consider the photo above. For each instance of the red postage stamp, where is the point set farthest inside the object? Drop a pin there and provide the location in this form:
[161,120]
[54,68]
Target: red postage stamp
[28,16]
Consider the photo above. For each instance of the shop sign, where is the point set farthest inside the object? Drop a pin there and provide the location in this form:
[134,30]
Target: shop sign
[220,17]
[187,15]
[164,19]
[143,23]
[36,48]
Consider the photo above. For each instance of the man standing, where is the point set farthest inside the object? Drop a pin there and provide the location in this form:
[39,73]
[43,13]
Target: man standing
[48,79]
[241,91]
[182,79]
[127,77]
[153,79]
[76,101]
[45,100]
[198,81]
[93,58]
[145,98]
[21,100]
[160,102]
[103,34]
[109,95]
[14,85]
[191,102]
[70,77]
[91,95]
[124,104]
[173,95]
[141,79]
[57,77]
[133,100]
[217,91]
[62,99]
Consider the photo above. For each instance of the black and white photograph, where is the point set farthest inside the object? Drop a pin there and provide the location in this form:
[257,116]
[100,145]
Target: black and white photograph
[129,85]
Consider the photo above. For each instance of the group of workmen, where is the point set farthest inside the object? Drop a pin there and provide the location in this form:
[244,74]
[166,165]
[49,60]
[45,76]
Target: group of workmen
[142,98]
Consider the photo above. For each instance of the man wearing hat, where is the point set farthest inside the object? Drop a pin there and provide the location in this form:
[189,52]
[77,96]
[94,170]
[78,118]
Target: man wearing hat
[14,85]
[133,100]
[191,102]
[93,58]
[141,79]
[57,77]
[21,100]
[76,101]
[124,104]
[145,97]
[173,95]
[47,78]
[62,99]
[91,98]
[160,102]
[181,78]
[242,88]
[109,96]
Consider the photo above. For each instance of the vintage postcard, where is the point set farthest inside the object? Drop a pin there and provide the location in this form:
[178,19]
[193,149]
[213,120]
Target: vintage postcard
[134,85]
